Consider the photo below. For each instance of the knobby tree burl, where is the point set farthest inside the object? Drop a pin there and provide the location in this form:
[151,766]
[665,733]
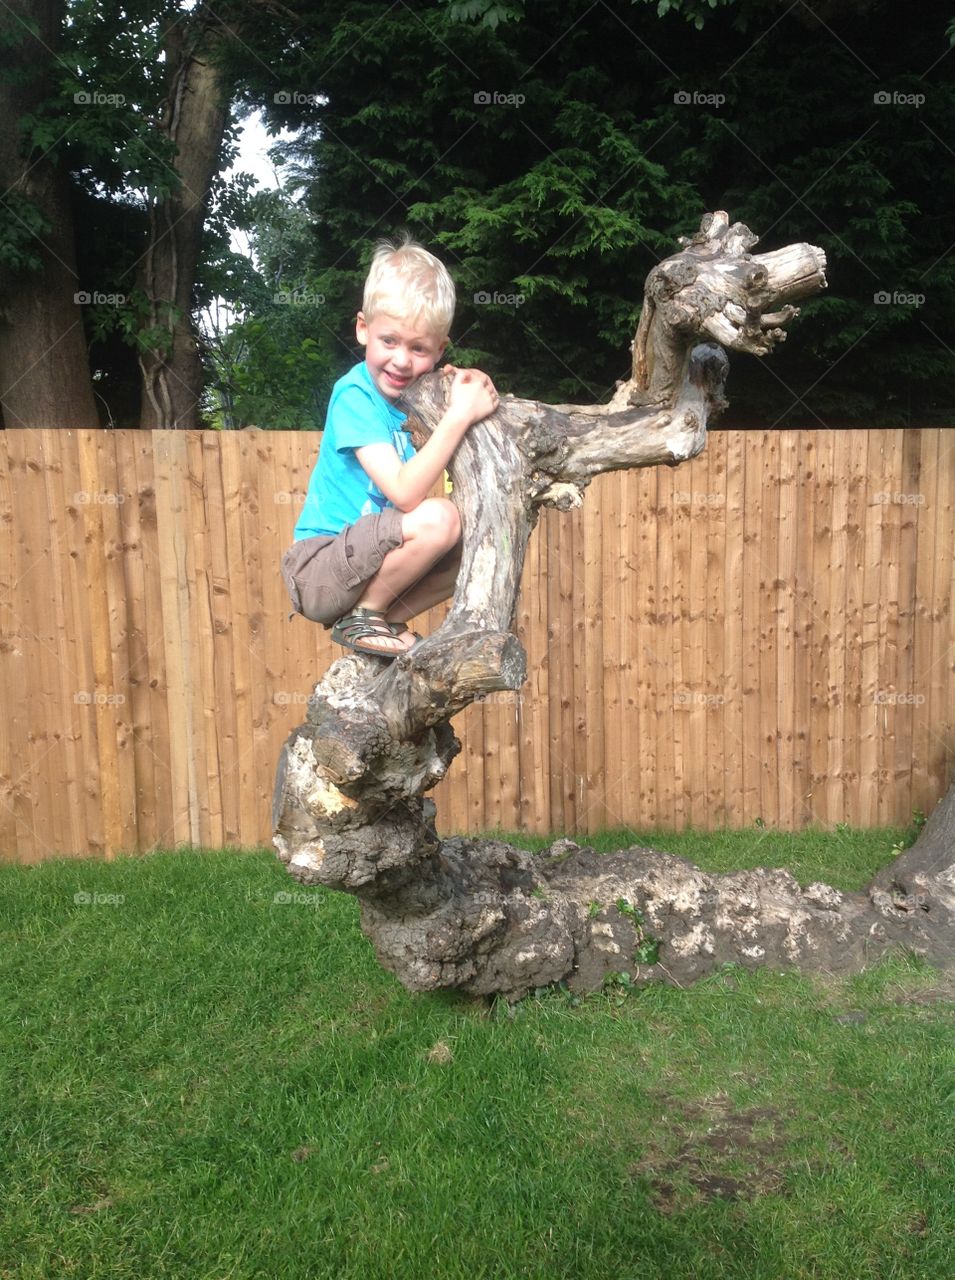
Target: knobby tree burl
[350,810]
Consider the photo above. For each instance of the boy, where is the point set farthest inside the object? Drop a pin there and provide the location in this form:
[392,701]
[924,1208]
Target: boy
[371,549]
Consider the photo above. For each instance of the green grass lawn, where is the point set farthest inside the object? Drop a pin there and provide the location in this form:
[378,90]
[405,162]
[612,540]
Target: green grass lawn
[202,1081]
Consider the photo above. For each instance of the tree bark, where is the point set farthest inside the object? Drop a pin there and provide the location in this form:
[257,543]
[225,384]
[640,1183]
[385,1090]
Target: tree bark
[195,117]
[44,368]
[349,810]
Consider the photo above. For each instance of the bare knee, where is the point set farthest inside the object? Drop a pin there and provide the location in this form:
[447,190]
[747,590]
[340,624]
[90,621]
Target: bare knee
[436,521]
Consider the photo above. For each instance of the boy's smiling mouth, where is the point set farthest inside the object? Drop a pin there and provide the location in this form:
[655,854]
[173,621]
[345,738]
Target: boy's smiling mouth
[395,379]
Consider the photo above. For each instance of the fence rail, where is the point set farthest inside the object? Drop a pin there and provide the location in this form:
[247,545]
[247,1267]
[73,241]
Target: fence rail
[763,633]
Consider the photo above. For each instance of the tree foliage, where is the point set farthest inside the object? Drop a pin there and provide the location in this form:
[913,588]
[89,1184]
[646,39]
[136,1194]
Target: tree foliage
[552,153]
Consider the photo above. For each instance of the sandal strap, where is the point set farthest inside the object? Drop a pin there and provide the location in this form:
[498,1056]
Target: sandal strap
[365,621]
[364,625]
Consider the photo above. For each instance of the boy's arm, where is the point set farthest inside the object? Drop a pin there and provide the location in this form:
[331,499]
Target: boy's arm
[407,484]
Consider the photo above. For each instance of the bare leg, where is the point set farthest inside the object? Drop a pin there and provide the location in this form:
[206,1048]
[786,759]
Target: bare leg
[435,586]
[430,533]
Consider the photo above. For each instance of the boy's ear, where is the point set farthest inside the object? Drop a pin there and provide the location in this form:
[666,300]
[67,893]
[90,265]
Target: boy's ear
[361,329]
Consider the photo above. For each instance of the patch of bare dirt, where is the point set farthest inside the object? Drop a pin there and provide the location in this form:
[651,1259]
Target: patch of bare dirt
[724,1154]
[941,993]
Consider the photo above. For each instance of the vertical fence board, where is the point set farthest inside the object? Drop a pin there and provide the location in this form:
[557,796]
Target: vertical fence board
[172,511]
[869,717]
[671,577]
[901,767]
[533,742]
[820,643]
[160,812]
[731,749]
[64,764]
[200,496]
[714,630]
[644,674]
[138,746]
[695,710]
[751,746]
[768,636]
[803,626]
[116,496]
[592,814]
[890,691]
[97,477]
[857,497]
[247,676]
[222,675]
[836,632]
[939,693]
[617,779]
[563,738]
[11,653]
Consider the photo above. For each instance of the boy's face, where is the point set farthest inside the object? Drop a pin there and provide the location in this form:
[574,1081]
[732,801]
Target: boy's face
[397,352]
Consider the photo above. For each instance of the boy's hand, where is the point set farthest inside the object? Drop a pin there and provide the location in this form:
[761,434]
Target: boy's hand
[473,395]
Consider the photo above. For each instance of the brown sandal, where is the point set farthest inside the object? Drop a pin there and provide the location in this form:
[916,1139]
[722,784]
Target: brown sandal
[357,628]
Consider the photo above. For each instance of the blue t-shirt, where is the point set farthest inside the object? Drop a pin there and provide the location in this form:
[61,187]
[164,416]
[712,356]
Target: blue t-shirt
[339,490]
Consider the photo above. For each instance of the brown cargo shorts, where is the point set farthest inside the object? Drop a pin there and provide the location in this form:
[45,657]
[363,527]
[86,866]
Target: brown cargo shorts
[325,575]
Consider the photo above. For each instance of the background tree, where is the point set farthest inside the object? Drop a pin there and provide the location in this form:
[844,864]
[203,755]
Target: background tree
[43,374]
[552,159]
[131,106]
[267,361]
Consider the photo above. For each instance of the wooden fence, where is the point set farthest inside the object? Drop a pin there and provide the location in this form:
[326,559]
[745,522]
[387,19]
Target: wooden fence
[764,633]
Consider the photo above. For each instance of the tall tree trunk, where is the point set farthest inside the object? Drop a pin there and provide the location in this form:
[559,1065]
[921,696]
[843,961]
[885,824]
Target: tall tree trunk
[44,369]
[196,113]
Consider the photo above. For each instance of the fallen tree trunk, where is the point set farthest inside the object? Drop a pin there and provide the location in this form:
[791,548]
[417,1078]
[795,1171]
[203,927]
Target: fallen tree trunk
[350,810]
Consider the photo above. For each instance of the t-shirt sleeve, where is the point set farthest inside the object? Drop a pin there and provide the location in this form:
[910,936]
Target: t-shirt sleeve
[357,420]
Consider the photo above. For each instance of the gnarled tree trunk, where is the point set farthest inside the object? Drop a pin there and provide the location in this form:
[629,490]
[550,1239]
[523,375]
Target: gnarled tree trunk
[349,807]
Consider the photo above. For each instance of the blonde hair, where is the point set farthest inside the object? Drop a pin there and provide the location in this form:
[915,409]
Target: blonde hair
[409,283]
